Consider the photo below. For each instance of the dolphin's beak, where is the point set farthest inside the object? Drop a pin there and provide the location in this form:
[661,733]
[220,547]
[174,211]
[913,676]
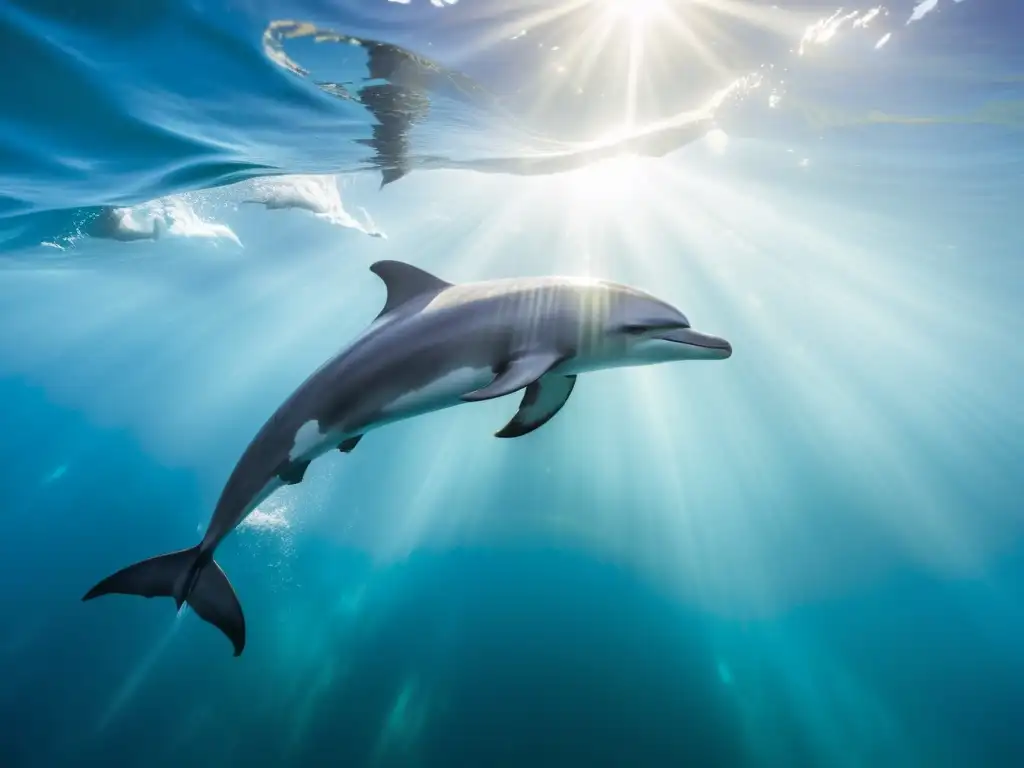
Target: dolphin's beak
[712,347]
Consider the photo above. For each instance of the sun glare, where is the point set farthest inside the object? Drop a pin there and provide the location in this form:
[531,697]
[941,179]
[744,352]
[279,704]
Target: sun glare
[635,11]
[717,140]
[605,185]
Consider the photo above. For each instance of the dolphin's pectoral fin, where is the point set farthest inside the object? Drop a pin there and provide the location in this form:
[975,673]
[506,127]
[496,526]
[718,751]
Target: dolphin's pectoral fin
[292,472]
[519,373]
[541,401]
[346,446]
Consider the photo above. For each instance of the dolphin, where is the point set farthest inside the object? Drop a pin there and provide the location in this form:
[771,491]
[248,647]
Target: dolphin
[434,345]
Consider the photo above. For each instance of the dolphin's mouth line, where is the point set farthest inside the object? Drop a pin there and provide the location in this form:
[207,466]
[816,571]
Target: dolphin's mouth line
[705,346]
[702,346]
[697,340]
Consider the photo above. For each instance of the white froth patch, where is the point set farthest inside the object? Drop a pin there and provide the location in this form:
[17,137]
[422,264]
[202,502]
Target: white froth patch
[271,519]
[307,439]
[173,216]
[318,194]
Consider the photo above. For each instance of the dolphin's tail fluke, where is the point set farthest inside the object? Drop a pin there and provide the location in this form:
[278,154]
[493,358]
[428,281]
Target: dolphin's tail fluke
[189,576]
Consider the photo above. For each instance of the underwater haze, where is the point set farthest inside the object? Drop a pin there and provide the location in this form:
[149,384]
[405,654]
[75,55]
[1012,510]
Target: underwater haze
[809,554]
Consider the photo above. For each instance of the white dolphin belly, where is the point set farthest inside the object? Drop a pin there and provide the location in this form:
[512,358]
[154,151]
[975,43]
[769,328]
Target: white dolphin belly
[442,392]
[310,443]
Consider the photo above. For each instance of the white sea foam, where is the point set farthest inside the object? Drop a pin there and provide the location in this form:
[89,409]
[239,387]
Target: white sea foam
[317,194]
[172,216]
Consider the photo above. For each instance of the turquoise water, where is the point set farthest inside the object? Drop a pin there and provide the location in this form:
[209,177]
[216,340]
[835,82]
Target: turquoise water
[809,554]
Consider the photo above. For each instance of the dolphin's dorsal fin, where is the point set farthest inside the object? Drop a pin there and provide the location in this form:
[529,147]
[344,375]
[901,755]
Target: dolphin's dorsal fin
[404,282]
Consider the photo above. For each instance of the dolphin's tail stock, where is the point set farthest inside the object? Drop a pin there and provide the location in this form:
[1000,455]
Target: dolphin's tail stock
[189,576]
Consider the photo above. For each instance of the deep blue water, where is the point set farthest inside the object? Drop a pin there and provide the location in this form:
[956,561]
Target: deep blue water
[811,554]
